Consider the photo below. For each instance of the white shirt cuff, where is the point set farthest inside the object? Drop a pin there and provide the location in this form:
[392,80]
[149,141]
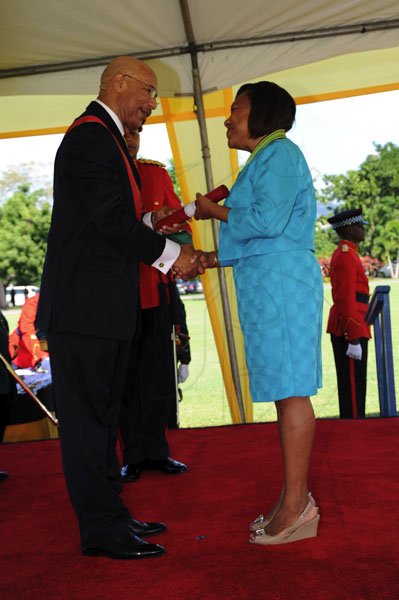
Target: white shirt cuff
[168,257]
[146,219]
[170,252]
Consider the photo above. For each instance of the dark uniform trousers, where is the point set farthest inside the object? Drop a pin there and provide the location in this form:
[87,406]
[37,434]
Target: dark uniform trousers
[150,394]
[351,378]
[88,410]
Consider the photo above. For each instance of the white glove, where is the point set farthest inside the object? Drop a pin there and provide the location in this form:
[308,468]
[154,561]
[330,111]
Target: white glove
[182,373]
[354,351]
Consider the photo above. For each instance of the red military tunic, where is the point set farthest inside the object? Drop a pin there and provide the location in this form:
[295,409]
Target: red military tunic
[24,346]
[350,290]
[150,392]
[156,191]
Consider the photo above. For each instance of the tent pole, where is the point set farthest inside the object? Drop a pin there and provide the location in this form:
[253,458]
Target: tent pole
[206,156]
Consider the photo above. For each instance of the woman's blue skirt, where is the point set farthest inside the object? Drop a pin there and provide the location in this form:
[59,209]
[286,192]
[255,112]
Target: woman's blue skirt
[280,302]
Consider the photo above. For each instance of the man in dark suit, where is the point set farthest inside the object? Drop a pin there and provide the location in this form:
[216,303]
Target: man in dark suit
[89,301]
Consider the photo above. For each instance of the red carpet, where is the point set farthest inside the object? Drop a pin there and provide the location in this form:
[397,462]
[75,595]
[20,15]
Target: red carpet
[354,477]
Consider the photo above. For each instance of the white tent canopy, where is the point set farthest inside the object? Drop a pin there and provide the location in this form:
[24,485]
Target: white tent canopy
[234,40]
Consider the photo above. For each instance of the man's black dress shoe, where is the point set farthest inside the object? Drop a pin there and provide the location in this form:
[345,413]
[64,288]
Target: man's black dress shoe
[167,465]
[3,475]
[143,529]
[127,547]
[131,472]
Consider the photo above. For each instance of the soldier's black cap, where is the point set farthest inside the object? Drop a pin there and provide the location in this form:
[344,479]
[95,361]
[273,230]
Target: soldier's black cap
[347,217]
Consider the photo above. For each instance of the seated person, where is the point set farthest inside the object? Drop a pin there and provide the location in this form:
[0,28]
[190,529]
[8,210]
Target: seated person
[24,344]
[29,357]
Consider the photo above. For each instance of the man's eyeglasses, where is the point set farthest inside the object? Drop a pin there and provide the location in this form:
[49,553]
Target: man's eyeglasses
[152,92]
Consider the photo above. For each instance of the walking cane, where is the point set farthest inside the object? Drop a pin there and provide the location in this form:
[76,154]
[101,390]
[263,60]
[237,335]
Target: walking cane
[28,390]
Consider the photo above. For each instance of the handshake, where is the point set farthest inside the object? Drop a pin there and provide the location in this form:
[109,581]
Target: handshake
[190,264]
[169,221]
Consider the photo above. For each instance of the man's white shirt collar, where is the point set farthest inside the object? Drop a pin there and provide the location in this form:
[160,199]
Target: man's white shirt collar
[113,116]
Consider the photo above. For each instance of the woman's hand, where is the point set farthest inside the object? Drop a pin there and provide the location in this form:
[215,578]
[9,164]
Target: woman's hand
[206,209]
[208,260]
[211,260]
[203,208]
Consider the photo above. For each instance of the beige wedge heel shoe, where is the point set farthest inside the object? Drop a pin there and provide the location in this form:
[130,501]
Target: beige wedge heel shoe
[304,527]
[261,521]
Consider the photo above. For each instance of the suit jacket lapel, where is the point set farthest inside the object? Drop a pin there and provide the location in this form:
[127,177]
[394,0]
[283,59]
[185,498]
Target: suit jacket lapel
[97,110]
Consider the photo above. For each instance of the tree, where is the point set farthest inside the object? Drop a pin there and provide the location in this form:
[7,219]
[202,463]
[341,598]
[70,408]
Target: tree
[173,175]
[323,241]
[36,174]
[375,188]
[24,224]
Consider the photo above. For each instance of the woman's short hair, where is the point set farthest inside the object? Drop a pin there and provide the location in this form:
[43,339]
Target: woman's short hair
[272,108]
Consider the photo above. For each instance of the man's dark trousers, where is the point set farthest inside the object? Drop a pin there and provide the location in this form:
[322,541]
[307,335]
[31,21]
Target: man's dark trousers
[88,377]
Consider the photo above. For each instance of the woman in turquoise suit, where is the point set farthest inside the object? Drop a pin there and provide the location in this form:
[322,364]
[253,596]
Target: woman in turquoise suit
[267,235]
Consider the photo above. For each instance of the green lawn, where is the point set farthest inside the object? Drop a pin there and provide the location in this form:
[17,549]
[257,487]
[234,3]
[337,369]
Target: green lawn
[204,398]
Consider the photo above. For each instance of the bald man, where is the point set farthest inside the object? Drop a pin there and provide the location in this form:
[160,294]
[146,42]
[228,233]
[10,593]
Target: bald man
[89,301]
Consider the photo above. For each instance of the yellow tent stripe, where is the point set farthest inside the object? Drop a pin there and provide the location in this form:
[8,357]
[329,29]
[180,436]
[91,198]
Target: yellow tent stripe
[347,93]
[177,158]
[222,111]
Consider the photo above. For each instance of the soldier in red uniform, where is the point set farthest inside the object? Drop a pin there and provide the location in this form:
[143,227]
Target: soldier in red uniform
[346,324]
[151,393]
[24,345]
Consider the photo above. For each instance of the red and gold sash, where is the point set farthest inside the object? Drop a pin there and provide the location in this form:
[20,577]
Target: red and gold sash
[133,184]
